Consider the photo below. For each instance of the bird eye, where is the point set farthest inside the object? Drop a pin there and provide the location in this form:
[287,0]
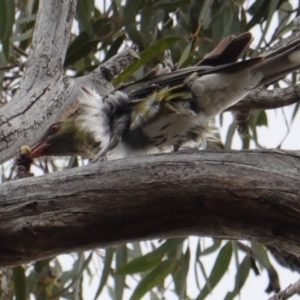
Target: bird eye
[54,128]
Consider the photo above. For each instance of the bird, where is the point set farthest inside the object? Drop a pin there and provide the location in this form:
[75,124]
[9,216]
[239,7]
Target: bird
[168,108]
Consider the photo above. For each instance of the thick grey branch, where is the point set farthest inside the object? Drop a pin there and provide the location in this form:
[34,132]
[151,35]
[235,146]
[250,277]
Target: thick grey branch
[237,195]
[43,90]
[45,94]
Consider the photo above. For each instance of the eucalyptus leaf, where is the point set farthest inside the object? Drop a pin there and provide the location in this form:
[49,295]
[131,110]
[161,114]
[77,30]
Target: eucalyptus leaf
[149,260]
[153,278]
[19,283]
[220,267]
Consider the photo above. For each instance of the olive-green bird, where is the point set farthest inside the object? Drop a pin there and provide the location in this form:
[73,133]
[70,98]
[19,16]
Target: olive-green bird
[167,109]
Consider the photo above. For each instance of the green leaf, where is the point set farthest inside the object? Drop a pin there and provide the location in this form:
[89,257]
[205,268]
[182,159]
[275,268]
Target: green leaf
[240,278]
[261,255]
[22,37]
[204,17]
[150,260]
[229,136]
[85,43]
[170,6]
[153,279]
[246,142]
[284,14]
[80,48]
[136,250]
[286,29]
[19,279]
[180,274]
[75,274]
[121,259]
[259,11]
[146,56]
[215,246]
[262,119]
[219,269]
[272,8]
[27,19]
[203,271]
[83,12]
[115,46]
[73,162]
[130,12]
[105,27]
[243,272]
[7,18]
[109,254]
[3,63]
[185,54]
[138,265]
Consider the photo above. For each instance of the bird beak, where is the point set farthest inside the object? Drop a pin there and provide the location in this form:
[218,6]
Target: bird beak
[38,149]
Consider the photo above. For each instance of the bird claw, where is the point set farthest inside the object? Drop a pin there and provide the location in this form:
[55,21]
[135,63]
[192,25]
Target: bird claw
[98,158]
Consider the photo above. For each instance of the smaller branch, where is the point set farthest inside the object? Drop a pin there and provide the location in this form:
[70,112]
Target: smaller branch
[11,66]
[268,99]
[241,118]
[288,292]
[116,64]
[101,78]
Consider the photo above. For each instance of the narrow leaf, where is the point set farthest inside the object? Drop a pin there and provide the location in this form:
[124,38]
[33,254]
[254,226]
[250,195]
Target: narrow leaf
[180,274]
[240,278]
[185,54]
[215,246]
[7,18]
[152,279]
[121,259]
[219,269]
[109,253]
[19,282]
[151,259]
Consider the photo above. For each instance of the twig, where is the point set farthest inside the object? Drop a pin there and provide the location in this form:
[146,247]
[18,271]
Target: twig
[288,292]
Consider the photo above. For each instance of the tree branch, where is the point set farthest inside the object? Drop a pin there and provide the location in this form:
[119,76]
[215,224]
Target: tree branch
[288,292]
[42,91]
[45,94]
[236,195]
[268,99]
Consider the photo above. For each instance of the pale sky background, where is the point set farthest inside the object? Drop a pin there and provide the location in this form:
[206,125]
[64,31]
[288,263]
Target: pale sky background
[255,286]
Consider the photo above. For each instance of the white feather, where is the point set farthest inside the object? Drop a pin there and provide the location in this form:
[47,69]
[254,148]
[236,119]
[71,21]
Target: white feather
[94,117]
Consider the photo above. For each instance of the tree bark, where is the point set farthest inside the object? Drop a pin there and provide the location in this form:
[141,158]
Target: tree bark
[45,93]
[252,195]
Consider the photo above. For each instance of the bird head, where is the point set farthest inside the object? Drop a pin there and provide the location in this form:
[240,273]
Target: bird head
[66,138]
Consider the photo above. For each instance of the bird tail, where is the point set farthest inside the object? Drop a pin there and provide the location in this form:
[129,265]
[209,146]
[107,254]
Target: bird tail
[229,50]
[273,65]
[280,62]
